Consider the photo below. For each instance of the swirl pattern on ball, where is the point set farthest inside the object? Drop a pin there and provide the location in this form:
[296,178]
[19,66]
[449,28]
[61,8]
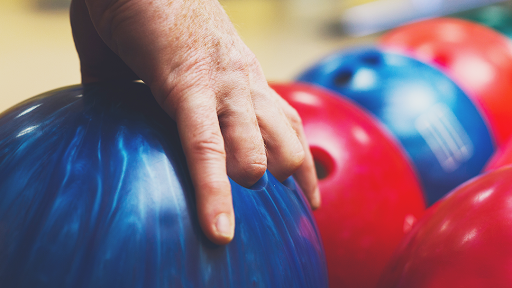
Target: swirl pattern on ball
[95,192]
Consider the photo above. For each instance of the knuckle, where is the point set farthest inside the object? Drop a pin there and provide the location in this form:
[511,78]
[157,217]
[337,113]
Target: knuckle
[208,146]
[112,15]
[296,159]
[192,74]
[217,58]
[255,168]
[218,74]
[293,159]
[248,170]
[294,118]
[175,90]
[238,64]
[288,163]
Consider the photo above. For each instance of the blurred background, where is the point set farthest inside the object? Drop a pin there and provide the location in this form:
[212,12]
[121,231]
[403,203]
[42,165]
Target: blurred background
[37,52]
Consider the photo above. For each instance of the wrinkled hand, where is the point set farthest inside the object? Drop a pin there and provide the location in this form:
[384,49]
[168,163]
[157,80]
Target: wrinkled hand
[210,83]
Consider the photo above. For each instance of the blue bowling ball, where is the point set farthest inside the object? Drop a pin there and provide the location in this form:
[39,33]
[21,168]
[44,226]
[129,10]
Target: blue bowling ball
[437,124]
[95,192]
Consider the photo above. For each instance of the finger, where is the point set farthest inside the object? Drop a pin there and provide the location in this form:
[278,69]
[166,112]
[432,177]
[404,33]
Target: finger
[287,148]
[200,134]
[306,174]
[97,61]
[284,149]
[245,149]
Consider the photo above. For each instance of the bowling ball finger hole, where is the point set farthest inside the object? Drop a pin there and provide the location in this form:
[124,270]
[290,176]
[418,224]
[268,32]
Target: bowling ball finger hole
[321,172]
[371,59]
[324,164]
[343,78]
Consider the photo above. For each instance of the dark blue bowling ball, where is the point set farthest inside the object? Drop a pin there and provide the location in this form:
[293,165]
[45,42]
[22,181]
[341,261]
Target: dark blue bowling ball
[437,124]
[95,192]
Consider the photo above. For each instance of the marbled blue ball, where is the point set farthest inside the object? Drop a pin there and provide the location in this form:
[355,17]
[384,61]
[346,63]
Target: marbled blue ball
[95,192]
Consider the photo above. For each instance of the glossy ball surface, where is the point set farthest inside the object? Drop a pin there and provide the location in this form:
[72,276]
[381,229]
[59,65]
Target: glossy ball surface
[370,194]
[439,127]
[501,158]
[95,192]
[477,58]
[464,241]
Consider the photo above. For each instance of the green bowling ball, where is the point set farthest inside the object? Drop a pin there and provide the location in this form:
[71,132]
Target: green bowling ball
[497,17]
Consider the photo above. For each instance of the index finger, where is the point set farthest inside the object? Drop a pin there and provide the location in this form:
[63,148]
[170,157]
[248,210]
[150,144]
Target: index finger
[203,144]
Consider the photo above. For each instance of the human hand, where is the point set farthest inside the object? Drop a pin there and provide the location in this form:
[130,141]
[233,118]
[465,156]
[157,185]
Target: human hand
[229,120]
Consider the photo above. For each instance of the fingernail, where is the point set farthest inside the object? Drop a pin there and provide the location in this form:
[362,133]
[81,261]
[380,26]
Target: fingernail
[223,226]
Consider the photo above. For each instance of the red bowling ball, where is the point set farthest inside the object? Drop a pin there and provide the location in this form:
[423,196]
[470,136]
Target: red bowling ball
[370,194]
[477,58]
[464,241]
